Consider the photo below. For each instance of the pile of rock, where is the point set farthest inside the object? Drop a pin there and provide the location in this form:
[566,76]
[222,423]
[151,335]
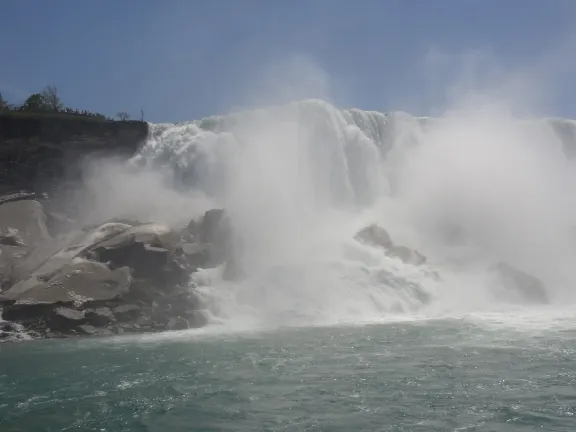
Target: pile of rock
[503,276]
[375,235]
[122,276]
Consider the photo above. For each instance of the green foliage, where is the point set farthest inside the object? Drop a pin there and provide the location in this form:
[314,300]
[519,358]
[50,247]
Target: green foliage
[35,102]
[123,116]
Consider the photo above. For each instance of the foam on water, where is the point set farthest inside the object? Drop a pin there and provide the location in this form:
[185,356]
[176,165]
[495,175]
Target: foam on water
[298,180]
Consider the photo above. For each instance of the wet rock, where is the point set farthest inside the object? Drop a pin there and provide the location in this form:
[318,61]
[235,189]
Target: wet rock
[87,329]
[177,323]
[11,237]
[197,318]
[10,256]
[127,312]
[27,218]
[65,319]
[216,231]
[375,235]
[528,286]
[406,254]
[233,271]
[17,196]
[196,255]
[52,255]
[210,227]
[100,317]
[144,321]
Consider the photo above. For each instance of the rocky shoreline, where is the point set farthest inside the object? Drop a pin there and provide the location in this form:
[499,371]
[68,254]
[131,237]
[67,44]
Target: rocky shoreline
[121,276]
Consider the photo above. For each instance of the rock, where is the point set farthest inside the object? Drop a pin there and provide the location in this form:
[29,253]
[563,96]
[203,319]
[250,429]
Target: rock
[530,287]
[27,218]
[233,271]
[25,311]
[65,319]
[126,312]
[144,321]
[407,255]
[17,196]
[210,227]
[85,281]
[10,256]
[100,317]
[216,231]
[11,237]
[178,323]
[375,235]
[196,255]
[52,255]
[197,318]
[87,329]
[150,250]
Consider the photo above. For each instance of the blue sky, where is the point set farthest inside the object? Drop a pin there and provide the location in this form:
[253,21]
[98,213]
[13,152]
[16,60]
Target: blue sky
[187,59]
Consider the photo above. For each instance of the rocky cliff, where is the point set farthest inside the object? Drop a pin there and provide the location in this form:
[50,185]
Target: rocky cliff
[37,151]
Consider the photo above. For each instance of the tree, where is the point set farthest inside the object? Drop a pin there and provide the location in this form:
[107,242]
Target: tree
[35,102]
[123,116]
[3,104]
[51,99]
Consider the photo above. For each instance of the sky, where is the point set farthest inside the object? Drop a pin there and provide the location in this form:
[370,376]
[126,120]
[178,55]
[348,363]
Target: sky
[186,59]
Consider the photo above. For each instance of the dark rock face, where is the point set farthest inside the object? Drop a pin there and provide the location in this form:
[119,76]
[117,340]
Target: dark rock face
[38,151]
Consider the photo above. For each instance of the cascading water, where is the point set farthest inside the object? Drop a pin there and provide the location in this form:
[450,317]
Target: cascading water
[299,180]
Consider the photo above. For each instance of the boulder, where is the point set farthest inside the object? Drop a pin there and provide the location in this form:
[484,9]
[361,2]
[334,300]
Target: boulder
[150,250]
[9,258]
[87,329]
[83,281]
[178,323]
[52,255]
[216,231]
[65,319]
[100,317]
[211,226]
[406,254]
[196,255]
[11,237]
[529,287]
[197,318]
[27,217]
[375,236]
[127,312]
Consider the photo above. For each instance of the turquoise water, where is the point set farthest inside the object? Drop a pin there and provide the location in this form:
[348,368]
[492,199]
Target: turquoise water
[445,375]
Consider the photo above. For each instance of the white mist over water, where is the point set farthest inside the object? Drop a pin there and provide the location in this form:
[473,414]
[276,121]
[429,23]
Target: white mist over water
[299,179]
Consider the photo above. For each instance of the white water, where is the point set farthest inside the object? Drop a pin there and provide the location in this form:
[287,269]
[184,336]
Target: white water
[299,180]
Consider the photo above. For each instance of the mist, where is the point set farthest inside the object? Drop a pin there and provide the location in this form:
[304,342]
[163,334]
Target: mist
[487,180]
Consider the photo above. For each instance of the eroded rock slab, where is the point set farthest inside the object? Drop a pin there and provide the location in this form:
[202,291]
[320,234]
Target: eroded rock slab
[80,282]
